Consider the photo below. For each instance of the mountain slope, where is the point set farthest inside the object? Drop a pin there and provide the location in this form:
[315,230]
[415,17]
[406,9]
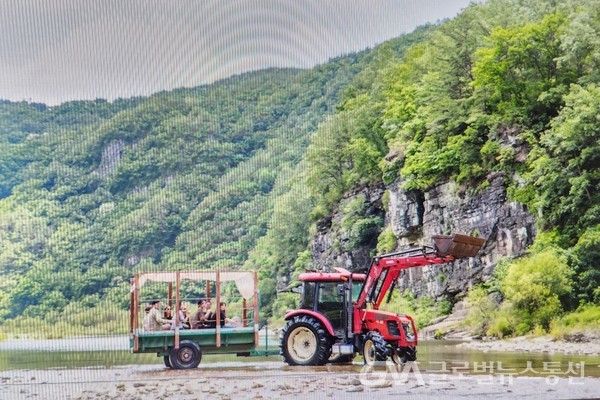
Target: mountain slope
[178,180]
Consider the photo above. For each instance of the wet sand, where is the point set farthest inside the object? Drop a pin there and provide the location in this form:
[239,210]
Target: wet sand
[274,380]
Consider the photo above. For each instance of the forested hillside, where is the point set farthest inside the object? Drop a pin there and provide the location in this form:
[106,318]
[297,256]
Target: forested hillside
[241,173]
[508,88]
[94,191]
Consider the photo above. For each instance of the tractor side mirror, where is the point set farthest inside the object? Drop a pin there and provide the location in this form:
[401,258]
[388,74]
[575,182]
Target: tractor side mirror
[293,288]
[297,289]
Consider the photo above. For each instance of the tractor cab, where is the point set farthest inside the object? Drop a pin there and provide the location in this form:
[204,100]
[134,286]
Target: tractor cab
[330,294]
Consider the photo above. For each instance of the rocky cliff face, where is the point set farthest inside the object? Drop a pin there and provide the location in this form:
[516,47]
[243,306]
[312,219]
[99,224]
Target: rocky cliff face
[414,217]
[328,245]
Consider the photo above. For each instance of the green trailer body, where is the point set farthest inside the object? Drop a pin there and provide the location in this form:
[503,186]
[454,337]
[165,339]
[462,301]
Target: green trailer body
[184,348]
[239,341]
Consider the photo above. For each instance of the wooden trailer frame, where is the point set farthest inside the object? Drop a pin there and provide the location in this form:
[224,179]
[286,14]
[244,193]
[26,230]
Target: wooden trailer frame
[186,344]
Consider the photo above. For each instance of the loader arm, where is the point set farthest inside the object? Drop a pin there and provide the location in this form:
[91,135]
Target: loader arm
[385,269]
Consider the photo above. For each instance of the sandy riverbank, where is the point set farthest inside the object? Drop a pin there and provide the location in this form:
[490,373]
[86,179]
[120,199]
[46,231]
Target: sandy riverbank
[274,381]
[588,344]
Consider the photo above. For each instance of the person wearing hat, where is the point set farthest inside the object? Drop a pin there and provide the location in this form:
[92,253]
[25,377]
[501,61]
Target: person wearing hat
[154,320]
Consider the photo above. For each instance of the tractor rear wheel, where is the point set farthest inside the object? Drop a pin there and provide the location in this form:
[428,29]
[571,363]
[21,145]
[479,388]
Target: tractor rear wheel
[304,341]
[374,348]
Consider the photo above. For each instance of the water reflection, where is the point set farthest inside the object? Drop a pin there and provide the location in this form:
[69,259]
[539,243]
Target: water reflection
[442,356]
[433,357]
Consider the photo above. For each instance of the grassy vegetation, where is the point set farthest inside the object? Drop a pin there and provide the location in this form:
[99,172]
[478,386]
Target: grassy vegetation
[106,320]
[531,295]
[585,319]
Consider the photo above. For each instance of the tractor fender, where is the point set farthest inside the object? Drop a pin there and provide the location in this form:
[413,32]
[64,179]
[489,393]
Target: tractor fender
[323,319]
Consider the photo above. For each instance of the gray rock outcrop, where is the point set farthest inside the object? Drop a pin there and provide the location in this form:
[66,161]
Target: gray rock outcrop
[415,216]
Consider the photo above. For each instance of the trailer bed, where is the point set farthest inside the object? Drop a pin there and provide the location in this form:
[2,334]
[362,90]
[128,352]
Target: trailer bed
[233,340]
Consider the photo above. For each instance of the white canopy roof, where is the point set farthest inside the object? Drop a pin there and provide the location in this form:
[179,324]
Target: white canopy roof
[244,280]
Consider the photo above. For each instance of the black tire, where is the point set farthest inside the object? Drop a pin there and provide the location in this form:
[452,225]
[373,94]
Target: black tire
[375,348]
[404,354]
[167,362]
[341,359]
[304,341]
[187,356]
[410,353]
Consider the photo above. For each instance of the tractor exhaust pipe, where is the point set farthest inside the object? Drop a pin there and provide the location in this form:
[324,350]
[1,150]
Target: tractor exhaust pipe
[457,245]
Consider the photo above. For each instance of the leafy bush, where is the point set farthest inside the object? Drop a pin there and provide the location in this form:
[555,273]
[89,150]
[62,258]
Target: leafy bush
[283,303]
[359,228]
[536,290]
[503,323]
[585,256]
[363,231]
[534,285]
[387,241]
[481,309]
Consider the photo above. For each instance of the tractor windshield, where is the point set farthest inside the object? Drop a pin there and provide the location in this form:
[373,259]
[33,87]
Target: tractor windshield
[307,298]
[356,288]
[376,291]
[331,303]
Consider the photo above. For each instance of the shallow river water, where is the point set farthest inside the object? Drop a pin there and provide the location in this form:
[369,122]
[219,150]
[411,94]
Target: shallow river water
[101,368]
[442,357]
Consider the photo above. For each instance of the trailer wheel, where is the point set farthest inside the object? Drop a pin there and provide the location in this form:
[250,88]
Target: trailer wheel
[187,356]
[167,362]
[374,348]
[304,341]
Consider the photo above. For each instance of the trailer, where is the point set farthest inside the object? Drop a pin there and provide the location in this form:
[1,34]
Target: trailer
[184,348]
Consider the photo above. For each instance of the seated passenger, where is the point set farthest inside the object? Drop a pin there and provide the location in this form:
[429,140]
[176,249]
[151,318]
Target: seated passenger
[234,322]
[155,321]
[198,320]
[146,323]
[186,317]
[223,320]
[182,321]
[167,313]
[211,316]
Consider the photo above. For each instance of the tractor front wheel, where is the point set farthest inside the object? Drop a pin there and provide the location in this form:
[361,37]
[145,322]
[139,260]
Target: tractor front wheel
[404,354]
[304,341]
[374,348]
[410,353]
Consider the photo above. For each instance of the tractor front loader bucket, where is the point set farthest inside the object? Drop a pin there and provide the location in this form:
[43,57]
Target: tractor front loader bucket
[457,246]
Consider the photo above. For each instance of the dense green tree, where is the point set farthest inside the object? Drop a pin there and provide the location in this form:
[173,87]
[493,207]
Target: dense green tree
[565,167]
[233,174]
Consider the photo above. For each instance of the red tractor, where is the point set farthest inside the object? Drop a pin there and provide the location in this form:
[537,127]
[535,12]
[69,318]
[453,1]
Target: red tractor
[339,312]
